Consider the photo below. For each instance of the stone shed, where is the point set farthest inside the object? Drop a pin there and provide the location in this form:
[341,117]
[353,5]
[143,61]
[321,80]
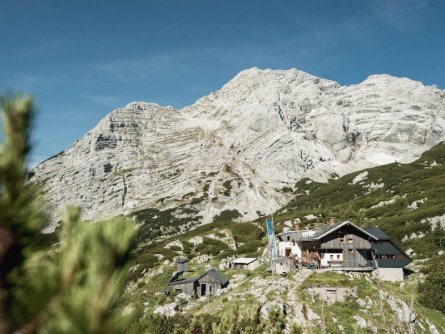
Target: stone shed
[249,263]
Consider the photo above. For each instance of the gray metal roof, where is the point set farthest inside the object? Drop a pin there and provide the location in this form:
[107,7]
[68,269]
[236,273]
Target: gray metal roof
[327,229]
[244,260]
[331,228]
[216,275]
[378,233]
[176,276]
[385,249]
[183,281]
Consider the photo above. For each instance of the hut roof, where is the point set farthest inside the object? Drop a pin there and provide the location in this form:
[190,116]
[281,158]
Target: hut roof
[217,275]
[244,260]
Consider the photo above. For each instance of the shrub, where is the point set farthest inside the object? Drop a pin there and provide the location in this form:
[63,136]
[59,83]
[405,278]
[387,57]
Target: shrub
[227,215]
[212,247]
[250,248]
[175,248]
[245,232]
[432,290]
[227,187]
[51,290]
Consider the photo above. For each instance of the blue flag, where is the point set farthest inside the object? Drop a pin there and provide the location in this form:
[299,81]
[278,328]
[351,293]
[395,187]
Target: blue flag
[271,235]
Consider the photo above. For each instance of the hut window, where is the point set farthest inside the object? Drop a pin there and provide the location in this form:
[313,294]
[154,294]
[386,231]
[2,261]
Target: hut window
[350,240]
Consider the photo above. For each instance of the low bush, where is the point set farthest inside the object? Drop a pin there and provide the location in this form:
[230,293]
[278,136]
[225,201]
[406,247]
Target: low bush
[245,232]
[432,290]
[212,247]
[250,248]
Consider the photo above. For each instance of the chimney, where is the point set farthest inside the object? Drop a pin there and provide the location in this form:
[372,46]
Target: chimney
[183,264]
[331,220]
[297,227]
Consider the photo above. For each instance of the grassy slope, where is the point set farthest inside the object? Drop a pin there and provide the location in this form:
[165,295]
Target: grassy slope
[404,183]
[379,314]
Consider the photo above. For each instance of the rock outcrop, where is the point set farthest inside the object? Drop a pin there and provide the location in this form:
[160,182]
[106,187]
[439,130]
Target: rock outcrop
[242,146]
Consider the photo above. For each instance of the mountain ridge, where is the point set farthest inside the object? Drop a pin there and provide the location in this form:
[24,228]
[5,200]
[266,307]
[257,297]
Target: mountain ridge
[239,147]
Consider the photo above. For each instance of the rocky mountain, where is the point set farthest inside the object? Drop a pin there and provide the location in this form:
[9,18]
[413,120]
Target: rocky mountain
[243,147]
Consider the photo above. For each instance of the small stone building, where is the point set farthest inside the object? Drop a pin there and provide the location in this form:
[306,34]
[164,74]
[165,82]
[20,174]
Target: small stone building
[203,285]
[248,263]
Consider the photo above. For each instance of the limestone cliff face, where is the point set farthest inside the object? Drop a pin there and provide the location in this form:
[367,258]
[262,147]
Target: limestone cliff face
[237,148]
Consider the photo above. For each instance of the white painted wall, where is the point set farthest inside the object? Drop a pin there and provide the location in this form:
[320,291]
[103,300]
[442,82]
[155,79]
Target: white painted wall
[295,249]
[253,265]
[327,257]
[391,274]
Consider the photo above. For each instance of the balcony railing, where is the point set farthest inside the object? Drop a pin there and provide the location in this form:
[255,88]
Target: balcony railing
[333,264]
[361,264]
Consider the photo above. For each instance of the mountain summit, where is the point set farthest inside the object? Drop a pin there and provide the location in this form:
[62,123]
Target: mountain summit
[242,147]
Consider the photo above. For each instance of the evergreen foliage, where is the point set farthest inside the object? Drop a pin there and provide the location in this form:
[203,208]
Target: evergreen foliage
[432,290]
[70,287]
[400,185]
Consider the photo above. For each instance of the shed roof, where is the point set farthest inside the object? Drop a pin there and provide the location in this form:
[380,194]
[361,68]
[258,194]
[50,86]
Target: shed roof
[244,260]
[176,276]
[218,276]
[183,281]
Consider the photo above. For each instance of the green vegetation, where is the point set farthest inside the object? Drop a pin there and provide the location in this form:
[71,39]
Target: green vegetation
[399,186]
[287,190]
[378,311]
[227,215]
[213,247]
[154,222]
[330,279]
[245,232]
[233,320]
[432,291]
[71,287]
[227,188]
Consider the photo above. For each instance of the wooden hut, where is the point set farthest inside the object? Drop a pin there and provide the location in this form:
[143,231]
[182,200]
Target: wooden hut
[206,284]
[210,282]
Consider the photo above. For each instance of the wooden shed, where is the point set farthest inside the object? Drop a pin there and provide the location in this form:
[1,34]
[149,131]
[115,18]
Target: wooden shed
[187,286]
[210,282]
[206,284]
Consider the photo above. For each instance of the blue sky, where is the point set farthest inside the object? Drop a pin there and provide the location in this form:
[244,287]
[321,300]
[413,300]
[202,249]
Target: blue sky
[81,59]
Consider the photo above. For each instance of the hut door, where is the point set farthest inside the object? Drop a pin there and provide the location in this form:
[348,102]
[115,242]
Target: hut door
[203,289]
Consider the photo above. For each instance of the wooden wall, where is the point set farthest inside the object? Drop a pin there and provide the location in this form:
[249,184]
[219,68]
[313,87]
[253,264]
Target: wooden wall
[354,245]
[187,288]
[352,239]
